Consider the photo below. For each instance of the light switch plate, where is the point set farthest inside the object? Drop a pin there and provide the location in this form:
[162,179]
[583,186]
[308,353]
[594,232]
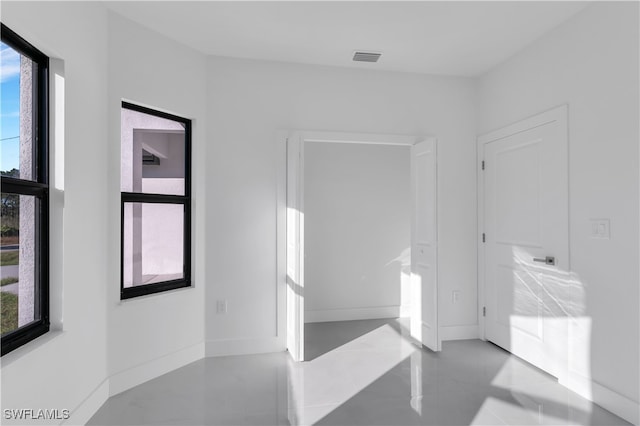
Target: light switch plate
[600,229]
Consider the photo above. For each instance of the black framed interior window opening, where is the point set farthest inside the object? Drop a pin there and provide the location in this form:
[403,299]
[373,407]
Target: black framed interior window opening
[155,205]
[24,178]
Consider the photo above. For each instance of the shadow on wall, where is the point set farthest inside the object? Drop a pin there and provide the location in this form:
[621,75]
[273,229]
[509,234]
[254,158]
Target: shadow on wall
[404,262]
[542,316]
[546,321]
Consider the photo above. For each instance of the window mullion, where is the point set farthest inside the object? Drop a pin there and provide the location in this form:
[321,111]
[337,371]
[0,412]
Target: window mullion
[24,187]
[136,197]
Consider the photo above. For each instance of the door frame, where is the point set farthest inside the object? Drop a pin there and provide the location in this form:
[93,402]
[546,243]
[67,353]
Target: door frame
[282,166]
[558,114]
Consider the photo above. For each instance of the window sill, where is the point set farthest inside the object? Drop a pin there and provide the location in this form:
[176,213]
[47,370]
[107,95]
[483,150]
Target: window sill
[31,347]
[146,296]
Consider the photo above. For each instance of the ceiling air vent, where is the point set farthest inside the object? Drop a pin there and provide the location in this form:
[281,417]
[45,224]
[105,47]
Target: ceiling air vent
[366,56]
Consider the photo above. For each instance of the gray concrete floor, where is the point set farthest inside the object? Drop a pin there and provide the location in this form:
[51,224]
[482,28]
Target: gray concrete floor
[358,373]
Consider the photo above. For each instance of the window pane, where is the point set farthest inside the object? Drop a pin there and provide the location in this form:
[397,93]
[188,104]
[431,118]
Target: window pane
[18,261]
[17,129]
[153,244]
[152,154]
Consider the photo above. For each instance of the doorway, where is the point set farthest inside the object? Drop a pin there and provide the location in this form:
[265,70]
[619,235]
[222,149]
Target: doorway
[357,240]
[291,234]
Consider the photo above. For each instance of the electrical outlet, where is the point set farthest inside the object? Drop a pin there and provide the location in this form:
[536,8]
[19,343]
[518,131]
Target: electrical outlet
[221,307]
[455,296]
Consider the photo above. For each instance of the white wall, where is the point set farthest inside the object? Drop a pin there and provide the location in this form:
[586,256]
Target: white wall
[248,101]
[357,217]
[63,368]
[153,334]
[591,64]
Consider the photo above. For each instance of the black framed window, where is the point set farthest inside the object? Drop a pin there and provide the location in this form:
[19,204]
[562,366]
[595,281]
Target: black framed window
[24,222]
[155,183]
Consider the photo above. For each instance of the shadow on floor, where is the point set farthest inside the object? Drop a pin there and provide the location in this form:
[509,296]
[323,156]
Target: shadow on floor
[323,337]
[360,373]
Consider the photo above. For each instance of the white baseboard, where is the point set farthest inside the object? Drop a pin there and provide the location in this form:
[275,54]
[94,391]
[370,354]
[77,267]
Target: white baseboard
[605,397]
[374,312]
[225,347]
[618,404]
[87,408]
[459,332]
[131,377]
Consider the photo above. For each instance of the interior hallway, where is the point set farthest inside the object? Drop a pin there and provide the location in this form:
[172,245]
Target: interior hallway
[358,373]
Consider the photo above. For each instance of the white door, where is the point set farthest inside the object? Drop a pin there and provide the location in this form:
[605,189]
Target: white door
[295,249]
[424,238]
[526,238]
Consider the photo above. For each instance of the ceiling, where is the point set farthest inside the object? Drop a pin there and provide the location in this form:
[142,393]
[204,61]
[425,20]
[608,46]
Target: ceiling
[433,37]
